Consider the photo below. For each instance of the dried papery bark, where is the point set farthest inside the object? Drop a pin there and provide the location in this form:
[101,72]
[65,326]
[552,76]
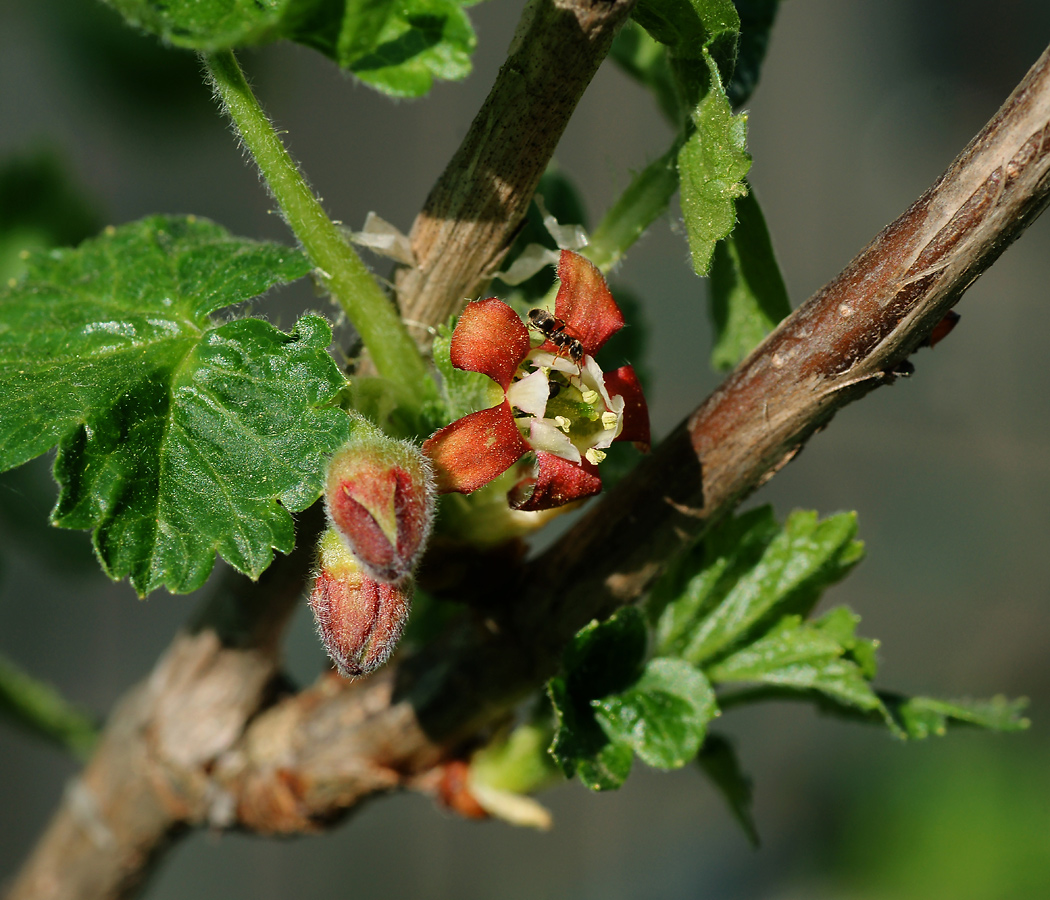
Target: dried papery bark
[472,214]
[299,763]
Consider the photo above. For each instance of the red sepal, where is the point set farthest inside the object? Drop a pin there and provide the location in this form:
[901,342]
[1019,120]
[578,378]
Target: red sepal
[635,410]
[557,482]
[491,339]
[584,302]
[473,450]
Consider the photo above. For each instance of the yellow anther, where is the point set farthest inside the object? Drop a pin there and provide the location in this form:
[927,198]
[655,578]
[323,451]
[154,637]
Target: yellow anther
[609,420]
[594,455]
[590,396]
[563,423]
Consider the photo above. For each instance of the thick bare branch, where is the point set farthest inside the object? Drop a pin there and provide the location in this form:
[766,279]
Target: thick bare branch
[475,209]
[144,780]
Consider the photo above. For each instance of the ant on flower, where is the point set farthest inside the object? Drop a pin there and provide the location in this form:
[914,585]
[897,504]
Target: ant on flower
[556,331]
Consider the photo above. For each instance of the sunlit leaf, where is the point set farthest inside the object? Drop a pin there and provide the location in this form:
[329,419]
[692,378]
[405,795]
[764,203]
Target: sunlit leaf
[179,435]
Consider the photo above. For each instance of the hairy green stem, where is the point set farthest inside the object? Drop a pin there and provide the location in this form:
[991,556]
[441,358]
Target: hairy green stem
[347,278]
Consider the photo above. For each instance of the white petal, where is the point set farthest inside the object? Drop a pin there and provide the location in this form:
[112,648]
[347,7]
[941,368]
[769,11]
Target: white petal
[545,435]
[533,258]
[529,394]
[384,239]
[553,361]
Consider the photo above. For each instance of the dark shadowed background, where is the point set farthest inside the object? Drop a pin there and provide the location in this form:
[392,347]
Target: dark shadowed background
[860,107]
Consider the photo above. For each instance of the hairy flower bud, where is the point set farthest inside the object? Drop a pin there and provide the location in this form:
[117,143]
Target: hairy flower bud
[360,620]
[379,496]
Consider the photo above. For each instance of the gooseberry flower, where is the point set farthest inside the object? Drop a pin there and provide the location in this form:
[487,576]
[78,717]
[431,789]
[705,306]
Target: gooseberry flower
[557,402]
[360,620]
[379,497]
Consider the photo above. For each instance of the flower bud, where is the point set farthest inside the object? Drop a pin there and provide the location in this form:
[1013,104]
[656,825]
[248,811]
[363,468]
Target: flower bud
[360,620]
[379,494]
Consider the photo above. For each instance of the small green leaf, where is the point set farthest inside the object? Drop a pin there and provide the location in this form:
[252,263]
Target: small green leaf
[922,716]
[699,579]
[41,709]
[604,658]
[179,437]
[753,575]
[748,295]
[662,717]
[420,40]
[711,167]
[800,656]
[581,748]
[701,37]
[692,28]
[719,762]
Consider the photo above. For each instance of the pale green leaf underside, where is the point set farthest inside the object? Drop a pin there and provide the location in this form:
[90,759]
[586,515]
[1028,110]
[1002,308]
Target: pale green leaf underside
[178,437]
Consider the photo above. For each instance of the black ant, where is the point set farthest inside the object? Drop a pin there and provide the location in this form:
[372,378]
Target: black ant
[556,331]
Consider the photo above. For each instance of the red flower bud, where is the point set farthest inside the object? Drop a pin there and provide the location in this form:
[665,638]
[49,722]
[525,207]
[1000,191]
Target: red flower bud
[380,499]
[360,620]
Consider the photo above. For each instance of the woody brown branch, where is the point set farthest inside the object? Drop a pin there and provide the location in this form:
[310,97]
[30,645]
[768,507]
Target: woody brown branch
[476,207]
[312,756]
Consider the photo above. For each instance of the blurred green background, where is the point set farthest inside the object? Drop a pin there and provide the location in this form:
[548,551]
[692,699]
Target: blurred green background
[861,106]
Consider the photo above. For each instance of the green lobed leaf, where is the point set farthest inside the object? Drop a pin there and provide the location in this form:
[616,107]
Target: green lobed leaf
[749,574]
[178,436]
[396,46]
[663,716]
[41,709]
[206,24]
[801,656]
[719,762]
[748,295]
[922,716]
